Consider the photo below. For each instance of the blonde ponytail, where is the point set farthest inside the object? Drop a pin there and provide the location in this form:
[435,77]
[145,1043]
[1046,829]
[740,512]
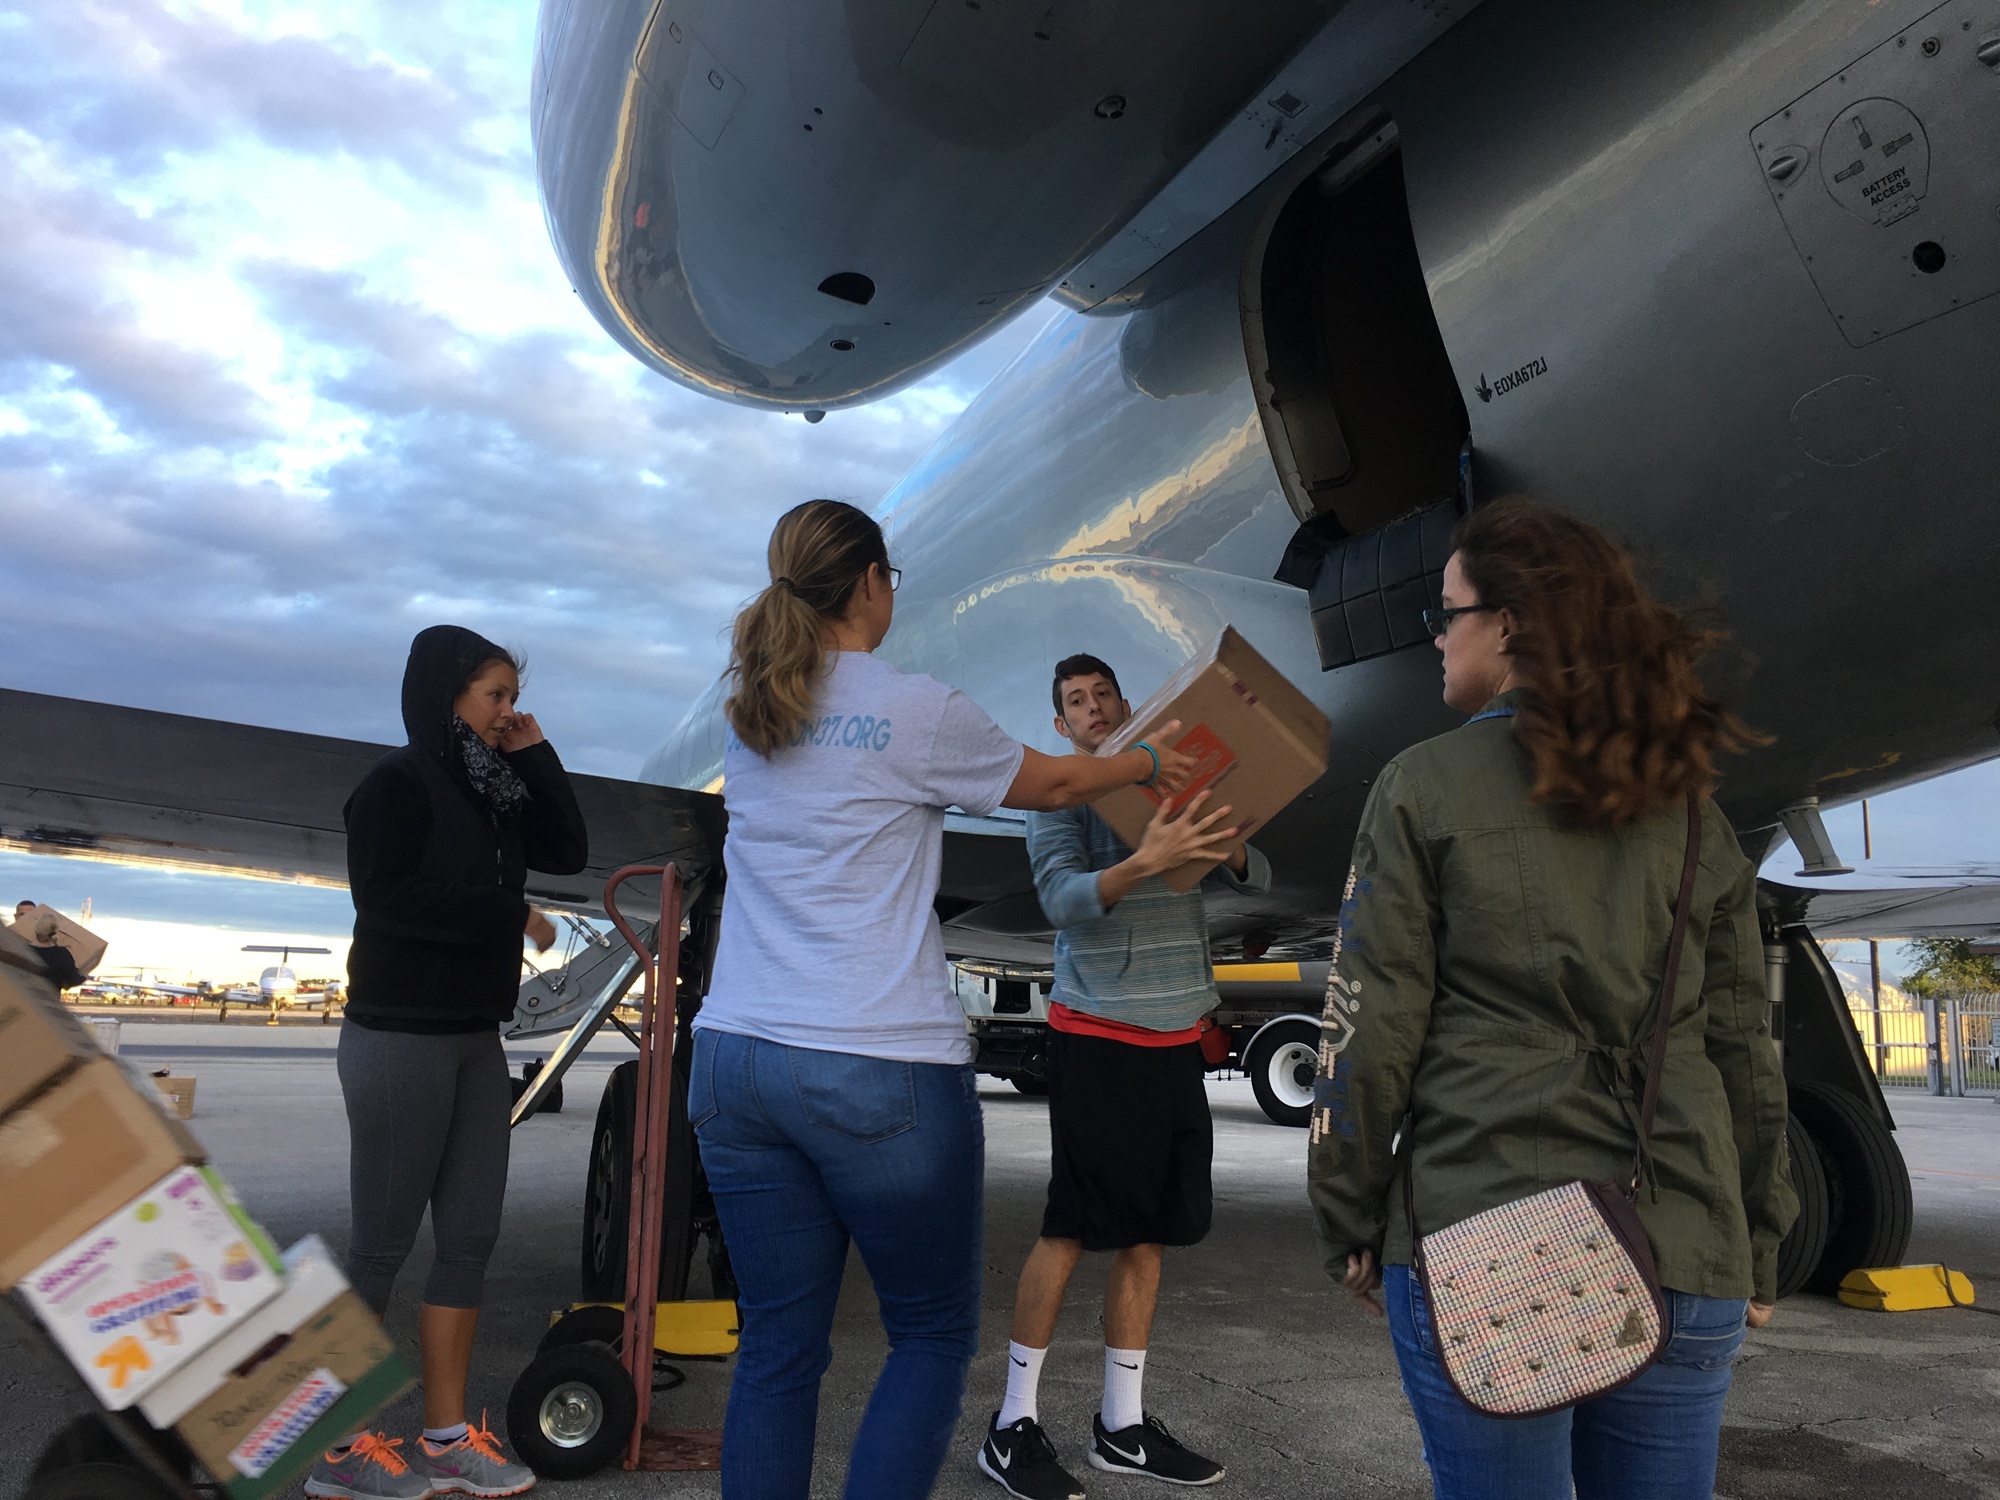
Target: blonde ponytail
[777,652]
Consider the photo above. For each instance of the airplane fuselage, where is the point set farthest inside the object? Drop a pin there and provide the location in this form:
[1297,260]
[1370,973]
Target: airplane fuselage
[1665,309]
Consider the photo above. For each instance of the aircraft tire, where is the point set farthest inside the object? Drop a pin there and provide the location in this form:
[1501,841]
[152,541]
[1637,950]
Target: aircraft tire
[1800,1251]
[1027,1083]
[607,1195]
[571,1411]
[1278,1054]
[1868,1185]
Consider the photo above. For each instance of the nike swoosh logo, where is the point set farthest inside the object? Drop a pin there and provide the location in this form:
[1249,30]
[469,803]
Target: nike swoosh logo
[1123,1366]
[1005,1460]
[1021,1362]
[1138,1458]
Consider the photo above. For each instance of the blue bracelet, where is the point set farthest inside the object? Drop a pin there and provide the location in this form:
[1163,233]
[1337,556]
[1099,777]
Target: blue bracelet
[1142,745]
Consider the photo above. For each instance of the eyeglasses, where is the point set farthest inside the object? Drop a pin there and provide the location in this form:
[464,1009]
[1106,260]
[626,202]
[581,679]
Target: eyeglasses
[895,579]
[1438,621]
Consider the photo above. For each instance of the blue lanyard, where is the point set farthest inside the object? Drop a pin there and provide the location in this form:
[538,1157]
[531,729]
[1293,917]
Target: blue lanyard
[1492,713]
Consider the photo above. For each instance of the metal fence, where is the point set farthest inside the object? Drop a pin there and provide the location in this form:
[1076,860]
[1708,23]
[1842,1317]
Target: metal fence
[1940,1044]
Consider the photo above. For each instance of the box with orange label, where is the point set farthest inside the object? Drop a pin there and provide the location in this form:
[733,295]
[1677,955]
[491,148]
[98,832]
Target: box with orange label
[1257,742]
[142,1292]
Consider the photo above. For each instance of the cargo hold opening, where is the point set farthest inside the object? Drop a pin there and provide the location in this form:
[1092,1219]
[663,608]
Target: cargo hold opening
[1361,407]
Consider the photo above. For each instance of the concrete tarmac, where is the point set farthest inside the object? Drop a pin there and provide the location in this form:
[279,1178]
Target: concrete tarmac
[1257,1359]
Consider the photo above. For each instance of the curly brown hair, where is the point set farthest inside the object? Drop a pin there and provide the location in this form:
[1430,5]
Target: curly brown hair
[1615,714]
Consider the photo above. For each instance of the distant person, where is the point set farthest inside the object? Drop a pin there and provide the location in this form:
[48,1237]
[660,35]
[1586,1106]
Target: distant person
[1129,1130]
[57,959]
[1512,893]
[22,908]
[832,1087]
[440,836]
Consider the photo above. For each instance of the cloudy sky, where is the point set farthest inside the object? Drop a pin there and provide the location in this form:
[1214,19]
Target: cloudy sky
[288,371]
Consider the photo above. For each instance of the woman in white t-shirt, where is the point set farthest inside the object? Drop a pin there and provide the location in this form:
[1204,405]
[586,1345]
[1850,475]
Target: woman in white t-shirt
[832,1087]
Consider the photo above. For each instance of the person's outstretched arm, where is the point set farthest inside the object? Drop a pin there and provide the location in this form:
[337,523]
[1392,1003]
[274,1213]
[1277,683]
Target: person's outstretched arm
[1049,783]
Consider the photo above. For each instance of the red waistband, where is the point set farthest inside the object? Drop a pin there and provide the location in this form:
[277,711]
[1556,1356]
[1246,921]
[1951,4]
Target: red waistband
[1081,1023]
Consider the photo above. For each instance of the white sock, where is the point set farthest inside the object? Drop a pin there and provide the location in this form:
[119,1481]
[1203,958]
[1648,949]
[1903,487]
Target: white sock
[1024,1378]
[1124,1371]
[439,1437]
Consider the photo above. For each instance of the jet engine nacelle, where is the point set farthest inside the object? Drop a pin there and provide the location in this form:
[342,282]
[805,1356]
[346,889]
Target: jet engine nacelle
[807,205]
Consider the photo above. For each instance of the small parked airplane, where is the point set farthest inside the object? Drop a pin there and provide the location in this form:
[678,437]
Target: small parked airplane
[278,986]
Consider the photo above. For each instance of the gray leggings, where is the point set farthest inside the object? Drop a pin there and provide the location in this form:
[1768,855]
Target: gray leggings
[426,1125]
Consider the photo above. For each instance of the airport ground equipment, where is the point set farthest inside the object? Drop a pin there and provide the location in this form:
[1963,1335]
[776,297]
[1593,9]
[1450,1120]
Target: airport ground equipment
[1267,1017]
[1908,1289]
[585,1398]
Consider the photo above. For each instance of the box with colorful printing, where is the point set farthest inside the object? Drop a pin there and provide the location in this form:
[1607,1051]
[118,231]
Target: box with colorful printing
[139,1295]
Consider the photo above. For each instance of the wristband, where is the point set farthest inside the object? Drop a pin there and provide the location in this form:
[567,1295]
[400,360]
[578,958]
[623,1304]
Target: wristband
[1155,755]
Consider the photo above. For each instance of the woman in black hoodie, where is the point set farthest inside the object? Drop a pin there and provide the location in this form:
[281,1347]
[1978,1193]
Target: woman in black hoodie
[440,836]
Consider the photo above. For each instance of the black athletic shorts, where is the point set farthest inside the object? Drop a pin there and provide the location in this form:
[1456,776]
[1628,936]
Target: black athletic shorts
[1130,1142]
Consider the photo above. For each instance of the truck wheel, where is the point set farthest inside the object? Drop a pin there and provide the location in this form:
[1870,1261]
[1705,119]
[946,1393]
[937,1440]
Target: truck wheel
[607,1193]
[1282,1063]
[1868,1185]
[1800,1250]
[572,1411]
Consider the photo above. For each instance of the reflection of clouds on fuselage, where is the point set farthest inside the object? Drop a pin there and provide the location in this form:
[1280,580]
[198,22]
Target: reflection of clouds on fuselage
[1137,517]
[1186,619]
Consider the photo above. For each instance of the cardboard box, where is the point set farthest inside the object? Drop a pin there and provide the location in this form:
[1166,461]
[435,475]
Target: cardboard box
[179,1092]
[39,1039]
[85,946]
[76,1153]
[142,1292]
[312,1280]
[308,1367]
[1259,741]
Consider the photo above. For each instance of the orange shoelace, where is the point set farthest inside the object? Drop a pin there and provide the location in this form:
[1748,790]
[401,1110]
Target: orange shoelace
[374,1448]
[482,1439]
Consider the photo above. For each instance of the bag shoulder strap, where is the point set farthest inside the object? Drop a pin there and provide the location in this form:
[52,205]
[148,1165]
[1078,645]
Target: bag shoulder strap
[1656,1062]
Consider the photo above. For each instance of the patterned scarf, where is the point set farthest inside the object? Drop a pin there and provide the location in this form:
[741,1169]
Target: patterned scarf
[490,775]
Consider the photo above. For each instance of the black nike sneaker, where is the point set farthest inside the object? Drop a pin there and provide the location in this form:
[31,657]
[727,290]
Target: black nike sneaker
[1022,1461]
[1151,1450]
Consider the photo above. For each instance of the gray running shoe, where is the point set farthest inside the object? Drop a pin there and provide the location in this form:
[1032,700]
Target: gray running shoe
[474,1465]
[370,1470]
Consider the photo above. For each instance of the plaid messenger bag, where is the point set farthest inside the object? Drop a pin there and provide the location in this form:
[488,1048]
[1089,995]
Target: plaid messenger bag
[1553,1299]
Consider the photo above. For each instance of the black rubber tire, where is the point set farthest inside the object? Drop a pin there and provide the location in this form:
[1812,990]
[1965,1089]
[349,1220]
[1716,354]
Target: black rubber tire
[98,1480]
[586,1325]
[1800,1251]
[607,1192]
[1868,1185]
[1277,1046]
[579,1387]
[552,1101]
[1027,1083]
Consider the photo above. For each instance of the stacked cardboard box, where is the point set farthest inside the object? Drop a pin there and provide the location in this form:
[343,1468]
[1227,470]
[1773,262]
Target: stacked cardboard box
[143,1268]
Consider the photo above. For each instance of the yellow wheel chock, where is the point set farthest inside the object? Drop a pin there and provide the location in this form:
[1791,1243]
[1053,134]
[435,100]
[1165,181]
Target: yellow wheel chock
[1905,1289]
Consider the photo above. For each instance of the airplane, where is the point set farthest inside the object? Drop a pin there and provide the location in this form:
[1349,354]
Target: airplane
[1717,278]
[278,986]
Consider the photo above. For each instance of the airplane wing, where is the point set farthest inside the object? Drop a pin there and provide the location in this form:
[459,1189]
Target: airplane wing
[1880,901]
[128,784]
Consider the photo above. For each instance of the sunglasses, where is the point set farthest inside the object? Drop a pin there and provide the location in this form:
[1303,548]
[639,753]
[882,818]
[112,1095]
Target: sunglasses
[1438,621]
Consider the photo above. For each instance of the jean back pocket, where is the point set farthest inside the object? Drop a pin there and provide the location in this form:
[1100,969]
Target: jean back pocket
[864,1098]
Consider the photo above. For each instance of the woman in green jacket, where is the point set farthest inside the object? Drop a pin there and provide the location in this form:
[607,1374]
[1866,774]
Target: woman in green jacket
[1502,943]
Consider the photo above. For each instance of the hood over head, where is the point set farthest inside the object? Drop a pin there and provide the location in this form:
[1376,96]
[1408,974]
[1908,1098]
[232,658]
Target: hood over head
[441,659]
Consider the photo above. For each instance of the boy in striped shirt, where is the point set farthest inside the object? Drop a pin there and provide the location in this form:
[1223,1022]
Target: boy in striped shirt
[1129,1126]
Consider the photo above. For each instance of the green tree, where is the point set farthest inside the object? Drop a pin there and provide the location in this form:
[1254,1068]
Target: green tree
[1947,965]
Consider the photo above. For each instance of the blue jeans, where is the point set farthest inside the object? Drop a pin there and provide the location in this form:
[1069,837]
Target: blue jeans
[803,1150]
[1654,1439]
